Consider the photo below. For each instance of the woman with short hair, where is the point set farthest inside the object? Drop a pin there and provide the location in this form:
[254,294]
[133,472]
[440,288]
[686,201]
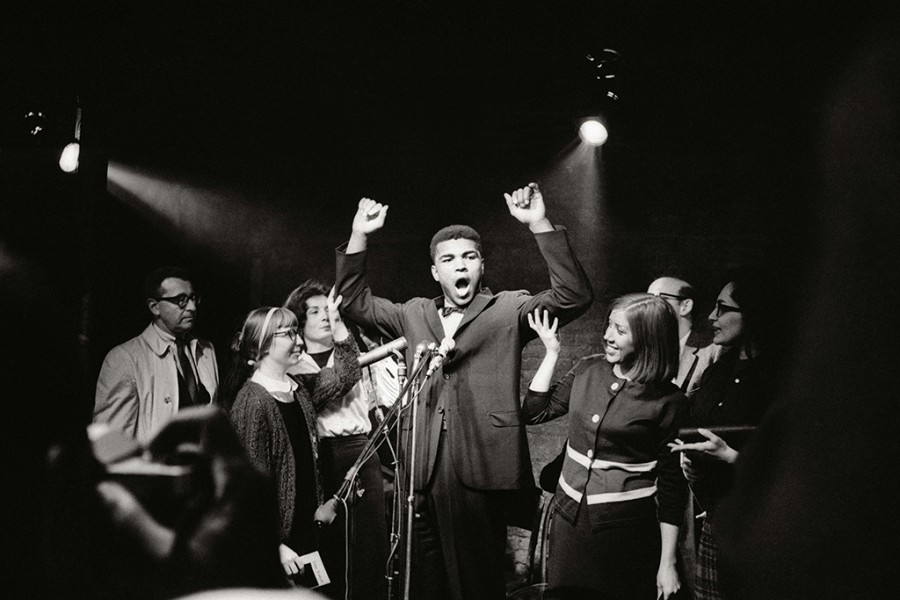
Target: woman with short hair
[621,496]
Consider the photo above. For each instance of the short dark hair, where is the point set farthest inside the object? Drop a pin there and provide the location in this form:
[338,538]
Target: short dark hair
[296,300]
[454,232]
[153,281]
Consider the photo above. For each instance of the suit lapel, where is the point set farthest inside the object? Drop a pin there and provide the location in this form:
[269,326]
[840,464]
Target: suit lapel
[686,360]
[478,304]
[433,321]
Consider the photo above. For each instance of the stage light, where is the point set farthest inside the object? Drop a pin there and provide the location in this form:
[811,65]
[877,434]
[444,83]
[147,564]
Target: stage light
[68,160]
[593,132]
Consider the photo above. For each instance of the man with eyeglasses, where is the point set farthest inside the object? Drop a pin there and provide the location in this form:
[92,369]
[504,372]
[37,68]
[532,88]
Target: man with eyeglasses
[146,380]
[697,349]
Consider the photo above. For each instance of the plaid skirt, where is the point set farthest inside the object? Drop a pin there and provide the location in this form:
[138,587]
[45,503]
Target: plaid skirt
[706,581]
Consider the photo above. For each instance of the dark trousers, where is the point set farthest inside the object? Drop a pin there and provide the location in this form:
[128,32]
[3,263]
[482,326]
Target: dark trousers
[365,533]
[459,539]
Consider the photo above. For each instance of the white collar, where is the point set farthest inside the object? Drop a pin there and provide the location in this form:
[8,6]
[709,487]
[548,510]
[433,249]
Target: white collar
[273,385]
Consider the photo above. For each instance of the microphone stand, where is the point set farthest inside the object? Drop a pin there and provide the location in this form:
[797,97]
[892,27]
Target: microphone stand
[325,515]
[397,488]
[411,474]
[343,491]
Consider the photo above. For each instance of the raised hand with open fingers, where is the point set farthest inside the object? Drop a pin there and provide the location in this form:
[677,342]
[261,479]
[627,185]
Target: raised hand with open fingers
[545,329]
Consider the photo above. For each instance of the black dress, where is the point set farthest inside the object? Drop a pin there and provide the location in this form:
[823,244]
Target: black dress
[731,392]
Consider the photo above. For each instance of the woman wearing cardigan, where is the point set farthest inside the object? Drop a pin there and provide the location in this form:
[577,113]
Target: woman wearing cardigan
[621,496]
[275,417]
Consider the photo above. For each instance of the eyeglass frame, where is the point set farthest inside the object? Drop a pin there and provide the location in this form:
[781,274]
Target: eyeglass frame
[722,308]
[293,332]
[667,295]
[181,300]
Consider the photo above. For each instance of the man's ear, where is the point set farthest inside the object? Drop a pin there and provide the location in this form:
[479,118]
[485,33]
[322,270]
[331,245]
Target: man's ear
[434,273]
[153,305]
[687,305]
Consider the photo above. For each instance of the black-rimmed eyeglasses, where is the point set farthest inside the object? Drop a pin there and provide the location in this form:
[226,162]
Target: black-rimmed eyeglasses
[722,308]
[665,295]
[182,300]
[290,332]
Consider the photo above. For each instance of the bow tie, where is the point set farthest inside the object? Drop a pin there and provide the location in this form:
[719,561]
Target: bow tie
[446,311]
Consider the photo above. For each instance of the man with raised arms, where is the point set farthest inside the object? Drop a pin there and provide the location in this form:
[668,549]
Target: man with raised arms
[473,466]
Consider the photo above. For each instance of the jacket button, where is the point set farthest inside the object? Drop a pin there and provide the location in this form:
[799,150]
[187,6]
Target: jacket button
[446,376]
[168,400]
[590,454]
[595,418]
[615,386]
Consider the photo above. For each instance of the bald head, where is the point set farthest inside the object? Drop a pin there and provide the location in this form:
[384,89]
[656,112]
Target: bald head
[679,294]
[670,286]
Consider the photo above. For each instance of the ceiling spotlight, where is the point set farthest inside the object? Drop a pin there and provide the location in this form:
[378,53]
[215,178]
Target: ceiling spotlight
[593,132]
[68,160]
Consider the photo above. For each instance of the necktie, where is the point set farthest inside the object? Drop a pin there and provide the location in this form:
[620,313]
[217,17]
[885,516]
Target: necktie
[188,392]
[448,310]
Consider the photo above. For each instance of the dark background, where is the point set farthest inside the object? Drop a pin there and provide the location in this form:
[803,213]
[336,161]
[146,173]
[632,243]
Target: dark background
[264,123]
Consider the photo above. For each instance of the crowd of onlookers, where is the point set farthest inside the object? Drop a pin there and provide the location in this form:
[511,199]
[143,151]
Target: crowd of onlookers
[803,509]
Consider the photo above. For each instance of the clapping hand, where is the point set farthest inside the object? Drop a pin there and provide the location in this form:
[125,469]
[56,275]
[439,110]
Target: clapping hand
[339,330]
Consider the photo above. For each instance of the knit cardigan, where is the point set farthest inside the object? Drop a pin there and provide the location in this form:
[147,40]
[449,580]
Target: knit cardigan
[258,423]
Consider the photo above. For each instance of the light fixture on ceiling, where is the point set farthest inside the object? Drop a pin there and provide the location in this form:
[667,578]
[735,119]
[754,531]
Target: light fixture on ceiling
[593,132]
[68,160]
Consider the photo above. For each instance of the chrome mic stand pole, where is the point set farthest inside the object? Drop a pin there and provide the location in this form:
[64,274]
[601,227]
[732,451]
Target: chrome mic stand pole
[396,492]
[325,517]
[410,499]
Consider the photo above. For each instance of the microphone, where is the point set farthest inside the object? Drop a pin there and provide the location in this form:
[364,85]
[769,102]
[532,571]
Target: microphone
[381,352]
[447,344]
[421,349]
[401,367]
[326,513]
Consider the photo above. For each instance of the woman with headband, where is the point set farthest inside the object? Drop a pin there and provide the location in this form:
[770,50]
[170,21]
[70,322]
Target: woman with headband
[275,416]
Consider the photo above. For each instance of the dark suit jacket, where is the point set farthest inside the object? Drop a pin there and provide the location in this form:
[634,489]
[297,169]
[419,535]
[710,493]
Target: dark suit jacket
[476,391]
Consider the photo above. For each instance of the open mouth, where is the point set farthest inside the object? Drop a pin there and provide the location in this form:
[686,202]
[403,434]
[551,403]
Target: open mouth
[462,285]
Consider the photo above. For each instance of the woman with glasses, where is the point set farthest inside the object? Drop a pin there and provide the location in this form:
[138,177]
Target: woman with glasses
[732,392]
[275,416]
[621,496]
